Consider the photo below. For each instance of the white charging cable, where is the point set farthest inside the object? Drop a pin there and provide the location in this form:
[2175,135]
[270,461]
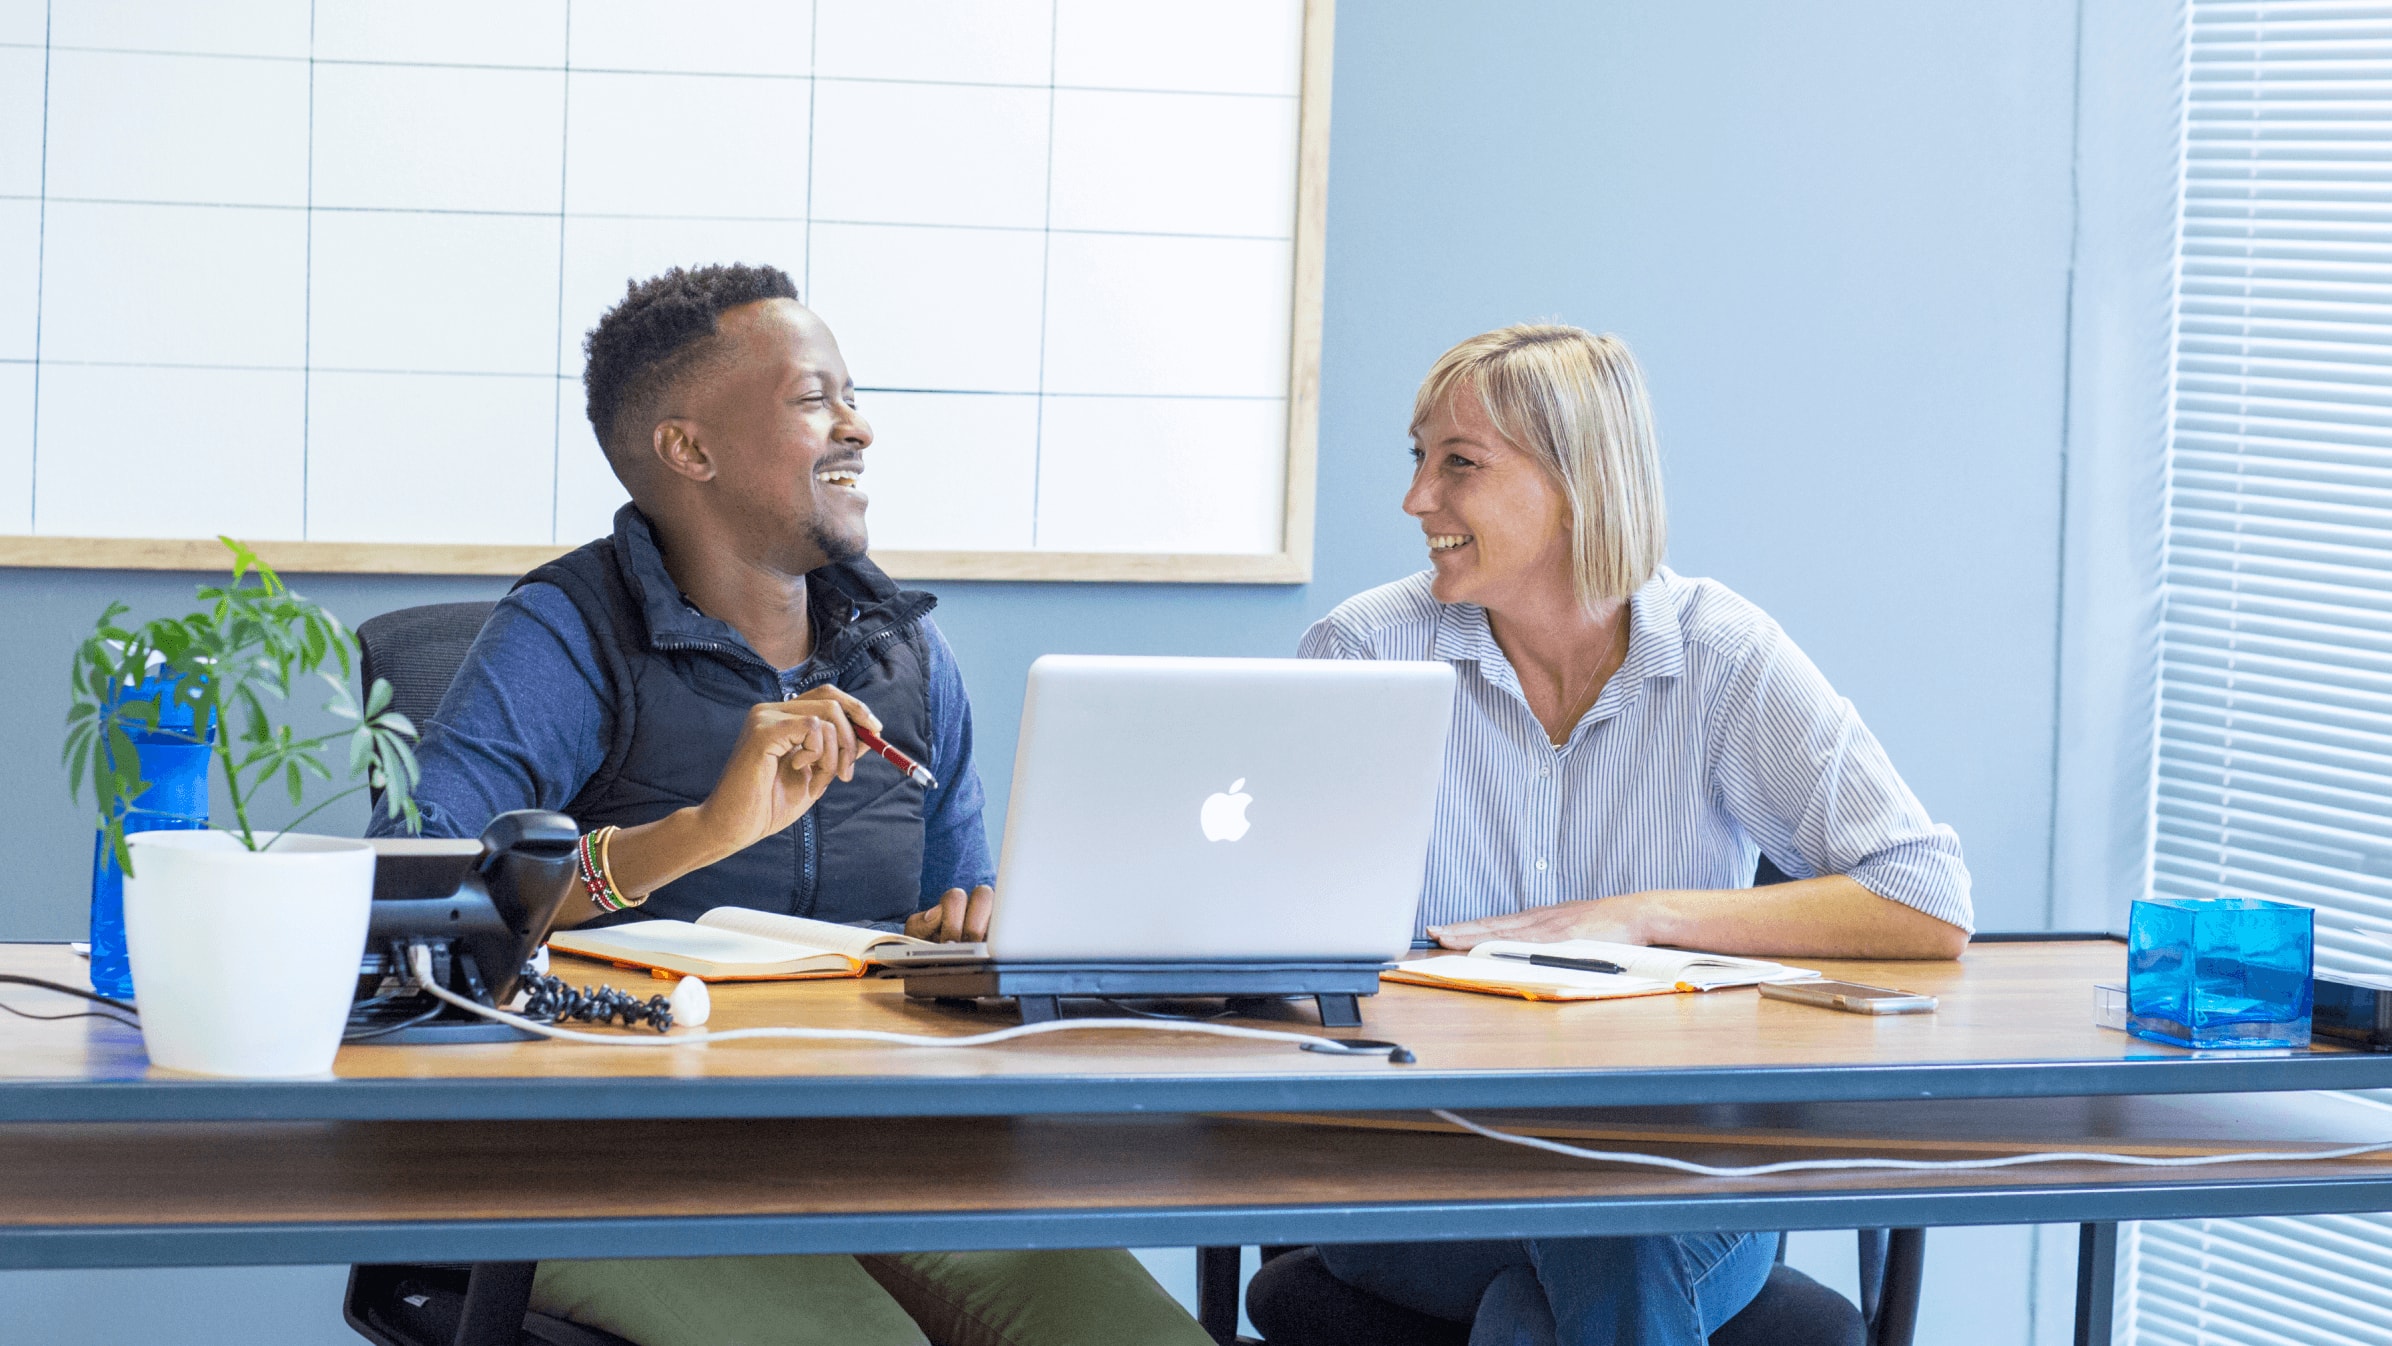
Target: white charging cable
[419,963]
[1916,1165]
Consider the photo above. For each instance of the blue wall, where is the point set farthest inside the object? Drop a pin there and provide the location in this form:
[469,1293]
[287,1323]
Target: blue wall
[1838,237]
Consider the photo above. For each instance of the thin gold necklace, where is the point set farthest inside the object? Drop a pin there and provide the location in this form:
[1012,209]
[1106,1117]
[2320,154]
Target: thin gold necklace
[1576,708]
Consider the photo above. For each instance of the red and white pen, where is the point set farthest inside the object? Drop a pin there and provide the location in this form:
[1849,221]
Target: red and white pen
[913,769]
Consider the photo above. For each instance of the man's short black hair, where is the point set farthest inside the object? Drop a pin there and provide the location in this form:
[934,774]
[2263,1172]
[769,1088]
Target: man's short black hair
[661,329]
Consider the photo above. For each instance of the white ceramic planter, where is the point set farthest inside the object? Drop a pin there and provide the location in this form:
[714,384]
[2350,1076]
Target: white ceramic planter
[244,962]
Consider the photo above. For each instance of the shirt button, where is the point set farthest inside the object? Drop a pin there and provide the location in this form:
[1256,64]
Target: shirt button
[1540,866]
[1544,773]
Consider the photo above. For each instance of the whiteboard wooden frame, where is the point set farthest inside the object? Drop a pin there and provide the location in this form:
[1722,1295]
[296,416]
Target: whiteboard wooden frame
[1291,564]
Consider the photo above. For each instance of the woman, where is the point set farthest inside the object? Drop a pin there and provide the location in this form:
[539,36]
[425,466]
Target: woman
[1626,743]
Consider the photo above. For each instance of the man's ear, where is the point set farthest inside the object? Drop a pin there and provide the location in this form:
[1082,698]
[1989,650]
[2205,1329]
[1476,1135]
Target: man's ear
[676,444]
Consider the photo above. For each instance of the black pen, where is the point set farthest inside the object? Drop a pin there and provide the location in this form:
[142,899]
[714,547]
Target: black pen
[1556,960]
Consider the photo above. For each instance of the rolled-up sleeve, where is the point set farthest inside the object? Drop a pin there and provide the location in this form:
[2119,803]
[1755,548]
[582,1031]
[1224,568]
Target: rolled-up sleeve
[1808,782]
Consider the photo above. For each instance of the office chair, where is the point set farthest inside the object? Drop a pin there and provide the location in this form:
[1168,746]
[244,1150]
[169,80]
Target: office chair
[435,1304]
[1294,1301]
[419,650]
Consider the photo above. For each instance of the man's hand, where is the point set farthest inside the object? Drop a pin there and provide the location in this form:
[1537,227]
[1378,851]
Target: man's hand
[957,919]
[786,756]
[842,712]
[1612,918]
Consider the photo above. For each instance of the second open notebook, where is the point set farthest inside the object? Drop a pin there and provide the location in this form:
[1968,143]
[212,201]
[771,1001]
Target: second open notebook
[735,944]
[1499,967]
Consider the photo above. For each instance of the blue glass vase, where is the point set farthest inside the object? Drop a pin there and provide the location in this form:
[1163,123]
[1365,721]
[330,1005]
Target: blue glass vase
[2220,971]
[175,763]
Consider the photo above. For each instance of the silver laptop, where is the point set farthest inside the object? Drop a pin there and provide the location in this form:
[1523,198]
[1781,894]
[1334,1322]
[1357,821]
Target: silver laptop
[1240,809]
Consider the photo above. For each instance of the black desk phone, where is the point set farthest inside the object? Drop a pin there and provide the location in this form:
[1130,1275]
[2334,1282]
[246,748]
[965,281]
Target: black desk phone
[481,907]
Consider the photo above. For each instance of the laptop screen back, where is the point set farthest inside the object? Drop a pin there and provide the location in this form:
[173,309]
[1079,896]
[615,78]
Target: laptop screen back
[1175,808]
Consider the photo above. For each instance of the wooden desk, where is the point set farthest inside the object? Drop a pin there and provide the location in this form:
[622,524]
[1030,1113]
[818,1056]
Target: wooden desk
[455,1153]
[2015,1022]
[96,1194]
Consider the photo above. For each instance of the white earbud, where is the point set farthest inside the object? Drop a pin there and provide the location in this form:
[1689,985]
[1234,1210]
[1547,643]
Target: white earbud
[692,1003]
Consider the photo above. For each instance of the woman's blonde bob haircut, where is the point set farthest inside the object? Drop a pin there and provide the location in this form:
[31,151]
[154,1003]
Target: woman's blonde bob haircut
[1576,402]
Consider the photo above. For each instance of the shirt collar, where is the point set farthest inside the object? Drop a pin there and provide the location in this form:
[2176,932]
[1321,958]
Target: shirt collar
[848,601]
[1656,644]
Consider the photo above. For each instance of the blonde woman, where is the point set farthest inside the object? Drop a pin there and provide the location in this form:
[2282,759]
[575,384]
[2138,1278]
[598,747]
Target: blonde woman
[1626,743]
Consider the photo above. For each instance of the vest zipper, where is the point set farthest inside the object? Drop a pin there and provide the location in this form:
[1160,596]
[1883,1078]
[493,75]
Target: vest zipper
[807,897]
[808,843]
[808,847]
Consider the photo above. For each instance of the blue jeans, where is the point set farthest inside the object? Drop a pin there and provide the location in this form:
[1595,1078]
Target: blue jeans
[1670,1290]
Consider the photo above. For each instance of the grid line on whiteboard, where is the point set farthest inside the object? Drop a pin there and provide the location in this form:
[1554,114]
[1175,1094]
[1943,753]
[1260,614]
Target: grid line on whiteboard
[33,409]
[564,184]
[1046,263]
[307,312]
[330,299]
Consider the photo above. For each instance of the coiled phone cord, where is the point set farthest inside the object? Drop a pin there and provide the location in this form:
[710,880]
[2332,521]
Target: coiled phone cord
[419,965]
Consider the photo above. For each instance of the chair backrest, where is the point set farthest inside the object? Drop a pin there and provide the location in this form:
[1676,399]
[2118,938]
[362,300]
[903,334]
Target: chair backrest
[419,650]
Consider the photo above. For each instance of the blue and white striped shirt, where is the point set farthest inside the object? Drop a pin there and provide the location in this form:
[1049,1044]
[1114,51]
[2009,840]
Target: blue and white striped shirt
[1716,740]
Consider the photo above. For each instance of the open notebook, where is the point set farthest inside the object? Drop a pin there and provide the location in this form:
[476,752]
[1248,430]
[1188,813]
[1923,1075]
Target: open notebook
[1649,971]
[734,944]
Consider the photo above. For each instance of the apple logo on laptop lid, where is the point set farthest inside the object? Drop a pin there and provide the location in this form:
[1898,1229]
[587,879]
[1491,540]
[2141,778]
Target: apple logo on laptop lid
[1224,815]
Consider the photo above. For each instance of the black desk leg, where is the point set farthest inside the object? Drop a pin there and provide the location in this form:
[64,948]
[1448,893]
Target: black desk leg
[1217,1292]
[496,1294]
[1339,1011]
[2096,1282]
[1895,1320]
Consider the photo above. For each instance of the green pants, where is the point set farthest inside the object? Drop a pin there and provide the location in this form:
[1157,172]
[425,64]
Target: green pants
[1067,1298]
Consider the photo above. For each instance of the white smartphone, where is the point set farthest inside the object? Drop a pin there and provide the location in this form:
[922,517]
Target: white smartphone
[1850,996]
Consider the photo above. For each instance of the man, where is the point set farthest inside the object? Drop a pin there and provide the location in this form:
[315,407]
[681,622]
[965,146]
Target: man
[694,681]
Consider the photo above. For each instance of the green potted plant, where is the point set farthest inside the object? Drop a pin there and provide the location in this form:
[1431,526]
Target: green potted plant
[244,940]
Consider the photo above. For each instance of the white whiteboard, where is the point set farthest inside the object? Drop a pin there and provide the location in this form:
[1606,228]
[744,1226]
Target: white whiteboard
[316,274]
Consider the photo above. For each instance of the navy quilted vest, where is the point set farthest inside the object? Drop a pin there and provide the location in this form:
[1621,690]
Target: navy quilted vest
[682,683]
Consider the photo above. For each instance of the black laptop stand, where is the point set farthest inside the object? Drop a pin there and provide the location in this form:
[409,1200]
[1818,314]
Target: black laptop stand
[1038,989]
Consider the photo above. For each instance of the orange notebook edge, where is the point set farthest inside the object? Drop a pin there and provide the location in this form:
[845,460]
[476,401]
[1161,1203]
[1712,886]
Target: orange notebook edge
[1440,983]
[856,967]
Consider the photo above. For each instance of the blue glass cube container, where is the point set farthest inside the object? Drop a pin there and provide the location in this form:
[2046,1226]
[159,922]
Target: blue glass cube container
[2219,971]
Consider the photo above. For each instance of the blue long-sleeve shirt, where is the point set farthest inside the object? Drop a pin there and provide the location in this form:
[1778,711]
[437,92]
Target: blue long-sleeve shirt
[528,718]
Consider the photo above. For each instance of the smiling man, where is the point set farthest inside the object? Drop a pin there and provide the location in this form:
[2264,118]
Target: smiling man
[692,681]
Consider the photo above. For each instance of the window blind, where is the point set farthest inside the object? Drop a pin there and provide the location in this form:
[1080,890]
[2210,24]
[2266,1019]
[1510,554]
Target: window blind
[2275,771]
[2275,735]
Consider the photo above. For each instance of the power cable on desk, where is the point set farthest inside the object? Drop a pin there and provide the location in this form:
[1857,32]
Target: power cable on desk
[1911,1165]
[125,1009]
[419,965]
[110,1016]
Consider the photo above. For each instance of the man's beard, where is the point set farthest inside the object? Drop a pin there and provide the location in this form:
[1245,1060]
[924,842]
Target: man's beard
[834,545]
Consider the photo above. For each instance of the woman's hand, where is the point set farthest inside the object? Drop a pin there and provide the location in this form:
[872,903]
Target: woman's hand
[1831,916]
[1611,918]
[957,919]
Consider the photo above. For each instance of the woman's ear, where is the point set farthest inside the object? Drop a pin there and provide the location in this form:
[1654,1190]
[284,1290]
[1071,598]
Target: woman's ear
[677,446]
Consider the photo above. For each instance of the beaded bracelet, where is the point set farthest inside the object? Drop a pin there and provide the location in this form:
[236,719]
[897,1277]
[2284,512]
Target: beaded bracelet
[597,876]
